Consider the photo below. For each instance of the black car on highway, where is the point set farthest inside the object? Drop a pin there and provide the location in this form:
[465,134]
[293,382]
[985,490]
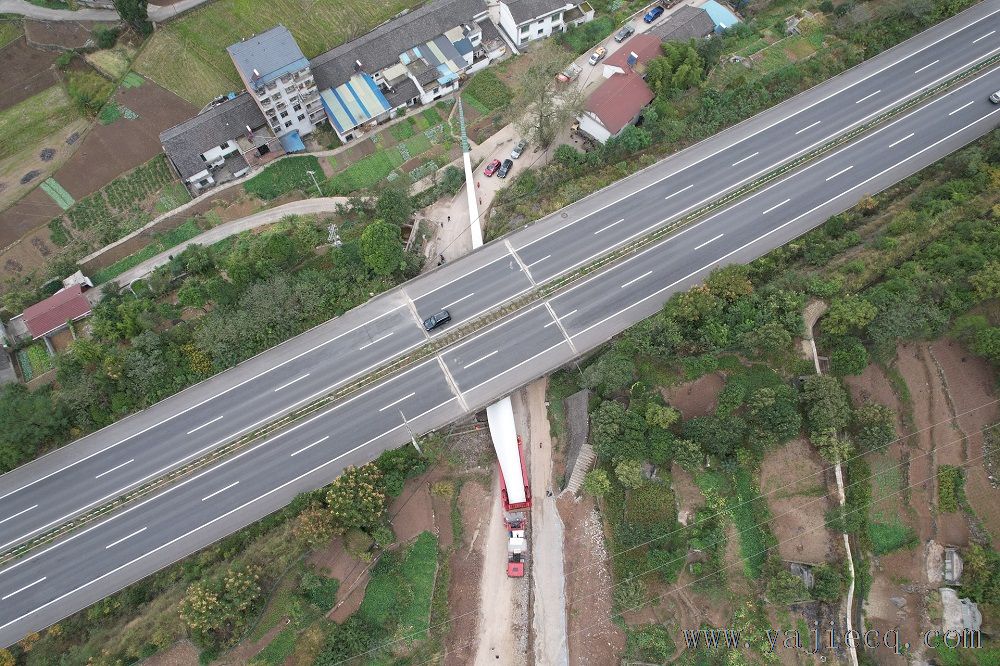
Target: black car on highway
[436,320]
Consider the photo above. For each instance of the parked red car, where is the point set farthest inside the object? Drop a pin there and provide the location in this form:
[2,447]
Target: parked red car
[491,168]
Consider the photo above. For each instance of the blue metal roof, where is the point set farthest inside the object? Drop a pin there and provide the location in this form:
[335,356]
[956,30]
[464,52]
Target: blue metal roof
[292,142]
[721,17]
[354,103]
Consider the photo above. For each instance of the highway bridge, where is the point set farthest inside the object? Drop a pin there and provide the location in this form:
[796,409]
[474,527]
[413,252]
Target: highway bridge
[72,573]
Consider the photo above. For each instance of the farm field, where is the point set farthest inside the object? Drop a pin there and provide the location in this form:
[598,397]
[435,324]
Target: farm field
[188,56]
[26,70]
[10,28]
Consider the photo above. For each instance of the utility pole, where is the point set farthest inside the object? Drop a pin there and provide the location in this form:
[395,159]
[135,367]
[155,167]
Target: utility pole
[312,174]
[412,437]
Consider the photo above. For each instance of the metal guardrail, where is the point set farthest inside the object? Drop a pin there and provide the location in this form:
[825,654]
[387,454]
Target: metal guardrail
[538,294]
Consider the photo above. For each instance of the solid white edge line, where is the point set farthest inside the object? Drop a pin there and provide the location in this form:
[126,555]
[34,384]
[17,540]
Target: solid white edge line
[899,141]
[634,280]
[22,589]
[609,226]
[116,467]
[396,402]
[869,96]
[479,360]
[220,490]
[775,206]
[226,461]
[287,384]
[979,39]
[792,115]
[709,241]
[808,127]
[197,453]
[839,173]
[966,105]
[683,189]
[115,543]
[778,228]
[306,448]
[206,400]
[205,425]
[741,161]
[926,66]
[214,520]
[18,514]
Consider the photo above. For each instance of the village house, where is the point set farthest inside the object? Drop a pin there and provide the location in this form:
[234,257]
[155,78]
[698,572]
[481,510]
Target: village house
[527,20]
[619,100]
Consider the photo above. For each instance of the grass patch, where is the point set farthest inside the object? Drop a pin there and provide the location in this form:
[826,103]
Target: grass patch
[750,514]
[561,385]
[111,62]
[402,130]
[417,144]
[34,360]
[10,28]
[132,80]
[28,123]
[486,92]
[365,173]
[889,536]
[278,650]
[580,39]
[109,113]
[170,239]
[58,233]
[950,488]
[283,177]
[398,595]
[172,196]
[188,55]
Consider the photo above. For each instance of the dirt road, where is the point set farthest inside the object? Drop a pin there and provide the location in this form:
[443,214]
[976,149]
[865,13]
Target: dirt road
[547,575]
[503,631]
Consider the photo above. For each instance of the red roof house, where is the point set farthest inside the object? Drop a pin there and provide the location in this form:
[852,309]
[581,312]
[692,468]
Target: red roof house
[621,98]
[66,305]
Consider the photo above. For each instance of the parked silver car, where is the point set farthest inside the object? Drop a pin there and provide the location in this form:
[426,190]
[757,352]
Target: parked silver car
[518,149]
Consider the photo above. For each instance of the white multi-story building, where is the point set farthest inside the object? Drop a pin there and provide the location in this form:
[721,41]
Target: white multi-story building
[526,20]
[278,76]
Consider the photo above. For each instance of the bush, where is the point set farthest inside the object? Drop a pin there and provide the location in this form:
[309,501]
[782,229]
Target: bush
[88,90]
[105,36]
[786,588]
[597,483]
[950,482]
[580,39]
[828,583]
[887,537]
[649,643]
[849,358]
[320,591]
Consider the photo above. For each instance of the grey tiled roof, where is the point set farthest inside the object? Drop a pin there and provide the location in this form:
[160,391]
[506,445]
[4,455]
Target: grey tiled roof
[381,47]
[490,32]
[526,10]
[271,53]
[185,143]
[686,23]
[403,92]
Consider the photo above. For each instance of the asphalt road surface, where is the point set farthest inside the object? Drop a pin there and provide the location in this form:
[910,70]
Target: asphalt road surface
[56,581]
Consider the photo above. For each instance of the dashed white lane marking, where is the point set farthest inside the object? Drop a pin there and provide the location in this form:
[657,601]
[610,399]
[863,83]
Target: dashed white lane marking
[376,340]
[309,446]
[481,359]
[683,189]
[220,490]
[297,379]
[868,96]
[710,241]
[18,591]
[132,460]
[896,143]
[396,402]
[741,161]
[115,543]
[979,39]
[966,105]
[808,127]
[776,206]
[205,425]
[457,301]
[18,514]
[609,226]
[926,66]
[840,173]
[634,280]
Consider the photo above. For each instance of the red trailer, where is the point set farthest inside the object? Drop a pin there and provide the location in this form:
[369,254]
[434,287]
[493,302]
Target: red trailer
[515,496]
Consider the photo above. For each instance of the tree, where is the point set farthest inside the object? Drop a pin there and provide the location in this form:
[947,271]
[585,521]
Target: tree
[661,416]
[381,248]
[848,313]
[849,358]
[452,179]
[773,415]
[355,498]
[394,206]
[219,610]
[827,407]
[981,575]
[610,374]
[597,483]
[987,344]
[688,454]
[770,338]
[616,433]
[313,526]
[31,423]
[716,436]
[198,259]
[874,427]
[679,68]
[986,281]
[786,588]
[629,473]
[828,583]
[6,658]
[547,105]
[834,447]
[631,140]
[133,12]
